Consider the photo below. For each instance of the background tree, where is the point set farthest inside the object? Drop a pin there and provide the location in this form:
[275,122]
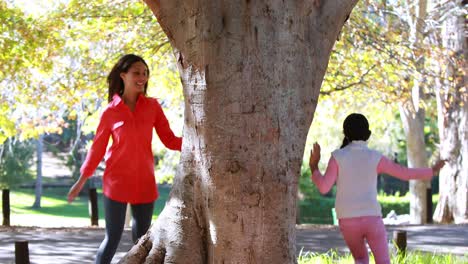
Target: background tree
[251,73]
[382,57]
[38,186]
[452,106]
[72,53]
[15,162]
[413,113]
[26,47]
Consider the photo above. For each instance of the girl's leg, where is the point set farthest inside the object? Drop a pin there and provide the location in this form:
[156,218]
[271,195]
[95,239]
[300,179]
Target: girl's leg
[353,231]
[377,240]
[115,220]
[142,215]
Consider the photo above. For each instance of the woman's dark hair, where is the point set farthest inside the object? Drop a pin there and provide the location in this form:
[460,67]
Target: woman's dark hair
[355,127]
[115,82]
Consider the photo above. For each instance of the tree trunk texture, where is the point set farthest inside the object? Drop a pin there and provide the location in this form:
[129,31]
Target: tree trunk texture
[38,186]
[251,73]
[412,116]
[413,125]
[452,104]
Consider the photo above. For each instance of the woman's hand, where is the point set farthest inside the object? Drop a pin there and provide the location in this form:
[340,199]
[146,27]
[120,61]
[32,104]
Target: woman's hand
[76,189]
[437,166]
[314,157]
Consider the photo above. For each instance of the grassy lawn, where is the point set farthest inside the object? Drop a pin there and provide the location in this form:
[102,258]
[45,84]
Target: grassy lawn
[413,257]
[55,210]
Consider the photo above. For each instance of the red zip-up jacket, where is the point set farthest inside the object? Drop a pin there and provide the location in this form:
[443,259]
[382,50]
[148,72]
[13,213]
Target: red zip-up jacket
[129,172]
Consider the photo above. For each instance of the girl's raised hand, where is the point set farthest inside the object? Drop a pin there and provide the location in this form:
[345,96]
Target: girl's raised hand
[437,166]
[314,157]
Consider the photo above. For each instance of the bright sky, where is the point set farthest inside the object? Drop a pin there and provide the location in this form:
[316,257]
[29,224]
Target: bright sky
[36,7]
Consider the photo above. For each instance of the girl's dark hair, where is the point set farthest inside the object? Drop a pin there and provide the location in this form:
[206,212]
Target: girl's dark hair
[116,85]
[355,127]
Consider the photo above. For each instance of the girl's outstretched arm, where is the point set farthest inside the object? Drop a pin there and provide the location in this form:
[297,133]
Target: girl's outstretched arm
[401,172]
[323,183]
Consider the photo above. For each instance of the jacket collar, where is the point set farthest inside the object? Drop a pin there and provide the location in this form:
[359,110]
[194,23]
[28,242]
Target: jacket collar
[116,100]
[360,143]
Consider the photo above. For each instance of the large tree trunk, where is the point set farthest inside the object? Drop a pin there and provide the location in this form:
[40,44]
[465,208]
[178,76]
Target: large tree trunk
[251,72]
[452,102]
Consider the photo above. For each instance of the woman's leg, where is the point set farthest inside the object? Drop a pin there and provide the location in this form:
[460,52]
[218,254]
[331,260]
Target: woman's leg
[142,215]
[353,231]
[377,240]
[115,220]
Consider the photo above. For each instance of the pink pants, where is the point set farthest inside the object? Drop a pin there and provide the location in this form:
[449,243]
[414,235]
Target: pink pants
[357,230]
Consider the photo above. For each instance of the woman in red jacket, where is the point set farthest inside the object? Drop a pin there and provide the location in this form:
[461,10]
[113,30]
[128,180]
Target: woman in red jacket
[128,177]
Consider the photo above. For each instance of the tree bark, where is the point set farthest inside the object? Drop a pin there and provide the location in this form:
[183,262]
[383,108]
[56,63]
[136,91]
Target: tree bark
[413,115]
[38,186]
[413,125]
[452,104]
[251,72]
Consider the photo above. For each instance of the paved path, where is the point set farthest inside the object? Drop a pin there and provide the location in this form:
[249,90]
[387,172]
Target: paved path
[78,245]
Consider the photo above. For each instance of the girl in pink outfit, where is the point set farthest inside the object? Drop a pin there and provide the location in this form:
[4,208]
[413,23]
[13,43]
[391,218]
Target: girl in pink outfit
[354,168]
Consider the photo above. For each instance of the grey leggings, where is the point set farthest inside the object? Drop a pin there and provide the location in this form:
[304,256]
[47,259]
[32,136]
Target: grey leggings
[115,220]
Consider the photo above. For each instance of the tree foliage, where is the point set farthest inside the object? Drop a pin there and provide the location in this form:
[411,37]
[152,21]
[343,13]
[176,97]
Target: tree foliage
[63,55]
[54,67]
[26,48]
[16,158]
[372,70]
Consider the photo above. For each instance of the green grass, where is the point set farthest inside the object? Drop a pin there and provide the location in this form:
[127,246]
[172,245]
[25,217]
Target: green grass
[415,257]
[54,204]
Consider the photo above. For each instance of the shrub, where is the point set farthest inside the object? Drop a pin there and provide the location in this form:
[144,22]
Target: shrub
[318,210]
[16,159]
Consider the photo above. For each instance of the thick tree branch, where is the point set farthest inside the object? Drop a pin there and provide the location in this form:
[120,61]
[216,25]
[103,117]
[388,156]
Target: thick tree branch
[171,17]
[325,22]
[154,5]
[349,85]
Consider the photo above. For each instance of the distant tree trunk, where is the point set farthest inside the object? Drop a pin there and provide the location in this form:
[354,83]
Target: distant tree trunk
[251,72]
[76,152]
[38,188]
[413,115]
[413,124]
[452,102]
